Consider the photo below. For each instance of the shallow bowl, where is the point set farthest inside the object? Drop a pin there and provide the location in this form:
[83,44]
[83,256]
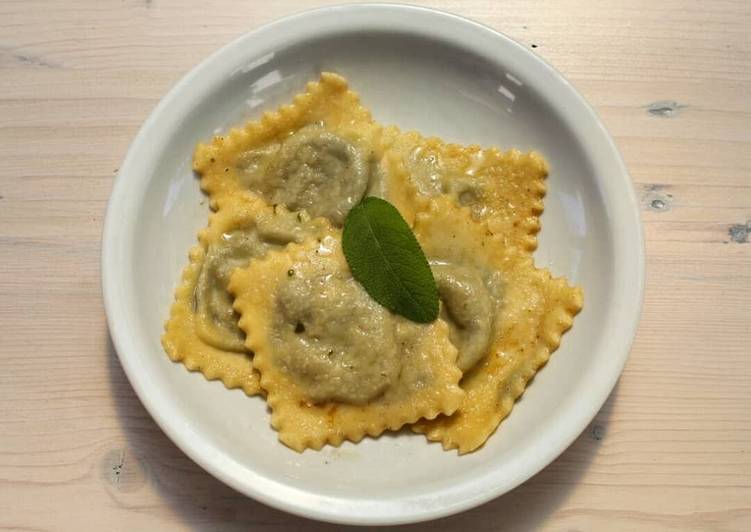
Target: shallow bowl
[419,69]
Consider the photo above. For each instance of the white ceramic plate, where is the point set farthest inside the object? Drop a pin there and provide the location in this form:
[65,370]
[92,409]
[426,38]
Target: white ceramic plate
[419,69]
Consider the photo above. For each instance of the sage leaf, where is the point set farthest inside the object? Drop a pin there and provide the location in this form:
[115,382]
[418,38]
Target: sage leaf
[386,259]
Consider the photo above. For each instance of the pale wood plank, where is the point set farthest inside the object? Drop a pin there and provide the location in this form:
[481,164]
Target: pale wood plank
[671,450]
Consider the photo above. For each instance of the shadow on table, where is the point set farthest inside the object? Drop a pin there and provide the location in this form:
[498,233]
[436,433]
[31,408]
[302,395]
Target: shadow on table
[200,502]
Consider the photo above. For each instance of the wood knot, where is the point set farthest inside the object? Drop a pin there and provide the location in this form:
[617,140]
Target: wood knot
[597,432]
[656,199]
[739,233]
[664,108]
[123,471]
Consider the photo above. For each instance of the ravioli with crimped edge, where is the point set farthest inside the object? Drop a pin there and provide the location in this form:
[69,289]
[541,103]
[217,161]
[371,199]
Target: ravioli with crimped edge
[202,330]
[335,364]
[503,189]
[506,318]
[318,153]
[268,303]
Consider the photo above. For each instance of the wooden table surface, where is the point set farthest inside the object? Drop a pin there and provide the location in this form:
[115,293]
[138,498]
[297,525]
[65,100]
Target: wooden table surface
[670,450]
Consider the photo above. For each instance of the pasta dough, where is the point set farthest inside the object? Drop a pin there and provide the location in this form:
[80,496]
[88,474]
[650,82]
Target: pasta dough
[202,331]
[533,313]
[315,154]
[267,302]
[363,370]
[502,189]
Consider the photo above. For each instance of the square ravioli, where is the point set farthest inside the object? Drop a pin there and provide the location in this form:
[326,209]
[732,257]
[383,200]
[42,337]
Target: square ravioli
[267,302]
[336,365]
[502,189]
[506,317]
[317,154]
[202,330]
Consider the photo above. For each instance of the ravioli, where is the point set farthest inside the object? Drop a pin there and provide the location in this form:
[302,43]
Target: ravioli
[502,189]
[318,153]
[202,331]
[531,314]
[334,363]
[267,302]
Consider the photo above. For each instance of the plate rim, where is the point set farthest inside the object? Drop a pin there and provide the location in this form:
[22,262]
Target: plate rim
[294,500]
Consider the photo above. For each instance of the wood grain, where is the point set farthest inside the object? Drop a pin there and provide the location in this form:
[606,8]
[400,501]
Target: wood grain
[671,449]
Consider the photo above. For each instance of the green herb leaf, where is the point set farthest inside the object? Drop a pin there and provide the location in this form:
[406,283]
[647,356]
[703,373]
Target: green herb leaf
[387,260]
